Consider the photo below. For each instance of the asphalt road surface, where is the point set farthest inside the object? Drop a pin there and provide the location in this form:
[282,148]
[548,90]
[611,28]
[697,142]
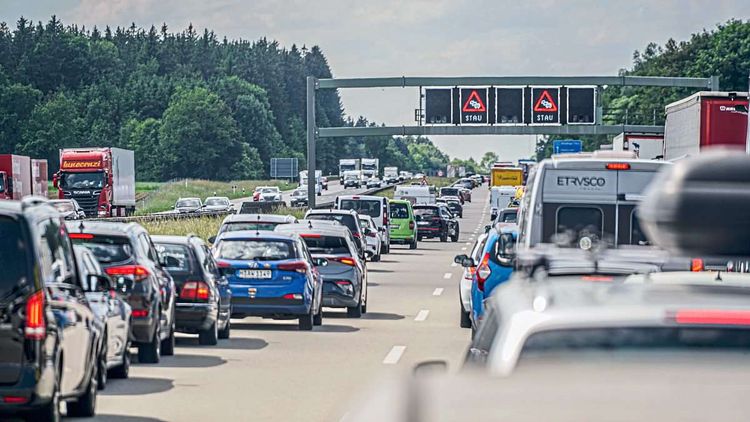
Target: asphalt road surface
[270,371]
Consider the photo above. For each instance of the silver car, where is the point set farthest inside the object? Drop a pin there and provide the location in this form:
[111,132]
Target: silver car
[373,237]
[218,204]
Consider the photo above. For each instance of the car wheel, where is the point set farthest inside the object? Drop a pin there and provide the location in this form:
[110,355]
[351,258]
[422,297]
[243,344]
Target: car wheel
[151,352]
[102,373]
[376,258]
[123,370]
[167,346]
[413,244]
[306,321]
[355,311]
[225,332]
[85,406]
[49,411]
[444,237]
[318,317]
[465,318]
[419,238]
[210,336]
[454,237]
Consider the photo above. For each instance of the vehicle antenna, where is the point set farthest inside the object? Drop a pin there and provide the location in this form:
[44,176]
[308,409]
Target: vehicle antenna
[718,276]
[81,227]
[309,224]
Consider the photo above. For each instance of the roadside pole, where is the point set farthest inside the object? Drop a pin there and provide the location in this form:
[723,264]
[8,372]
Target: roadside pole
[747,135]
[311,135]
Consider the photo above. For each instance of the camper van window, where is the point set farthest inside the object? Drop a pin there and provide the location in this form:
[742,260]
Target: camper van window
[574,221]
[637,237]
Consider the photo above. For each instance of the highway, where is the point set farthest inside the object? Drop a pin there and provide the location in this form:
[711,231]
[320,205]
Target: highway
[270,371]
[334,189]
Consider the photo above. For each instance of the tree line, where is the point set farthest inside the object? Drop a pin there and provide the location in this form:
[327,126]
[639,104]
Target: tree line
[189,104]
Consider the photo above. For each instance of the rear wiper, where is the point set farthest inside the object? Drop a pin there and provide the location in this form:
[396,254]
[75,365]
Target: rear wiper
[12,292]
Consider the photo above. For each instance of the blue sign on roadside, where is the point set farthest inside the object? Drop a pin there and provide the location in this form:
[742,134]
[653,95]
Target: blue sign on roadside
[567,146]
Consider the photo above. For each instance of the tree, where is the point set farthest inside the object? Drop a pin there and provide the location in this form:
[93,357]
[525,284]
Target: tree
[143,138]
[488,159]
[52,125]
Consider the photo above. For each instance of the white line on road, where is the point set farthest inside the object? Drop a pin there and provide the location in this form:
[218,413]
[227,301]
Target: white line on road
[464,248]
[468,243]
[438,291]
[453,264]
[447,275]
[394,355]
[422,315]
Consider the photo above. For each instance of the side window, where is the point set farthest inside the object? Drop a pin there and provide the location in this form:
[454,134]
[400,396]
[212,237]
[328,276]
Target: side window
[210,263]
[56,256]
[148,247]
[578,221]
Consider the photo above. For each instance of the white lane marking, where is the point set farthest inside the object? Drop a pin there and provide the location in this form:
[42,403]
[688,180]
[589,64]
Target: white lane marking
[422,315]
[394,355]
[438,291]
[447,275]
[464,248]
[468,243]
[453,264]
[345,417]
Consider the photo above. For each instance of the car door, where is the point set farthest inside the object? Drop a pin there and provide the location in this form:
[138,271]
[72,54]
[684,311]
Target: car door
[118,314]
[220,281]
[165,283]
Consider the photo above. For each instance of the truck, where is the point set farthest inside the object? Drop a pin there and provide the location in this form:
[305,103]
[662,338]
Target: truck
[390,174]
[647,147]
[15,176]
[506,176]
[318,180]
[101,180]
[370,167]
[39,177]
[348,164]
[703,120]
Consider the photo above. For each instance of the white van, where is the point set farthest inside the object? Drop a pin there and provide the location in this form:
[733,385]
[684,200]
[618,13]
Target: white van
[376,207]
[500,197]
[415,194]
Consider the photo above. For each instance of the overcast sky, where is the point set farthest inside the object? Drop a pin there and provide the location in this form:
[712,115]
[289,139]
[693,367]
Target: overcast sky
[423,38]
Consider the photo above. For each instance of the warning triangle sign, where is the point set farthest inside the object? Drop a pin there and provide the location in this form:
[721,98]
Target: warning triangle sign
[545,103]
[474,104]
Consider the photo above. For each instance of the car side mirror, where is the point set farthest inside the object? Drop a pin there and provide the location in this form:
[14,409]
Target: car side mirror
[99,283]
[507,253]
[487,228]
[465,261]
[212,239]
[320,262]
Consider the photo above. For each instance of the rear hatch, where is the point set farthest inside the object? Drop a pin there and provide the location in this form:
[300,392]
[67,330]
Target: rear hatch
[179,263]
[14,285]
[400,218]
[115,254]
[428,218]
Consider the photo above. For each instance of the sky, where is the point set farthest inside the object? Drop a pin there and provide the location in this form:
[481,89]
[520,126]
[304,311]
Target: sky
[423,38]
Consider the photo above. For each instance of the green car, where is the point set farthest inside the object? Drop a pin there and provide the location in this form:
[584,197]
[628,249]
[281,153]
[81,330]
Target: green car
[403,226]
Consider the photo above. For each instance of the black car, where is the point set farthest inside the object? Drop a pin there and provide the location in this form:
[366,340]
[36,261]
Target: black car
[127,254]
[453,204]
[49,336]
[203,295]
[435,221]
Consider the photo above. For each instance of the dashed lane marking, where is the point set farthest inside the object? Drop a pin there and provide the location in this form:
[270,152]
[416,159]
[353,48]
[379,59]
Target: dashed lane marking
[422,315]
[438,291]
[394,355]
[447,275]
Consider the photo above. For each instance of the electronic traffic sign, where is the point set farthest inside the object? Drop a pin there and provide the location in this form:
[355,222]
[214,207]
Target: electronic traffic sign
[438,106]
[581,106]
[509,106]
[545,105]
[474,107]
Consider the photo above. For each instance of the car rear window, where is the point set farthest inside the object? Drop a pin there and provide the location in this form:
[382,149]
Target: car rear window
[188,203]
[107,249]
[580,221]
[254,249]
[329,245]
[347,220]
[449,192]
[177,257]
[263,226]
[366,207]
[508,217]
[64,206]
[425,212]
[399,211]
[13,257]
[217,201]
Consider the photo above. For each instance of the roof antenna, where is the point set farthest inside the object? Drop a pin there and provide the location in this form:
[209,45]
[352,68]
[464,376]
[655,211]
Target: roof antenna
[718,276]
[309,224]
[81,227]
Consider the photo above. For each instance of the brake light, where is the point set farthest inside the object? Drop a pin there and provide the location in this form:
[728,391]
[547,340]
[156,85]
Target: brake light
[139,313]
[602,278]
[223,264]
[696,265]
[80,235]
[15,400]
[372,234]
[296,296]
[345,261]
[356,234]
[343,282]
[138,272]
[618,166]
[298,266]
[36,328]
[483,271]
[310,236]
[195,290]
[712,317]
[411,225]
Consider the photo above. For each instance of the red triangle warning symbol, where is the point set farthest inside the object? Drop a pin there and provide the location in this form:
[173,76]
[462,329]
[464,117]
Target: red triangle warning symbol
[545,103]
[474,104]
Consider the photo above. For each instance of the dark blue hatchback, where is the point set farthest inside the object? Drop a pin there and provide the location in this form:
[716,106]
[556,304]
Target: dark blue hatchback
[271,275]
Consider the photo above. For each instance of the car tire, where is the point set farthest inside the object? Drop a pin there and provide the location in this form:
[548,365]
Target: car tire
[376,258]
[85,406]
[355,311]
[318,317]
[122,371]
[419,238]
[49,411]
[465,317]
[454,237]
[413,244]
[225,332]
[101,381]
[167,346]
[444,237]
[150,352]
[306,321]
[386,248]
[210,336]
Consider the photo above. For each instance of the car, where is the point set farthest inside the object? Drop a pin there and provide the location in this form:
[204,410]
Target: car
[69,208]
[376,207]
[128,256]
[403,225]
[465,183]
[435,221]
[50,337]
[505,216]
[299,197]
[218,204]
[374,182]
[344,273]
[467,278]
[454,204]
[352,179]
[465,193]
[452,191]
[267,194]
[346,217]
[373,237]
[418,176]
[324,182]
[113,313]
[271,275]
[257,222]
[203,298]
[188,205]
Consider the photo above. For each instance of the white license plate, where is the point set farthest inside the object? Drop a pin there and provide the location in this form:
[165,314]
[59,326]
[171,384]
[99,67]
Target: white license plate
[255,273]
[423,223]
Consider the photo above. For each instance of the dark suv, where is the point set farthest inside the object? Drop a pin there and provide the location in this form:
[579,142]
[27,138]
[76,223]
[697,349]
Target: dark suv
[47,328]
[203,294]
[127,254]
[435,221]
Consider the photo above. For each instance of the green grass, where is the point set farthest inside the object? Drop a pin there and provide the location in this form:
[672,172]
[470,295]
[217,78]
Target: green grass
[164,197]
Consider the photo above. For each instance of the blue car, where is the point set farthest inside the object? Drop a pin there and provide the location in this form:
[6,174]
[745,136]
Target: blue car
[493,269]
[271,275]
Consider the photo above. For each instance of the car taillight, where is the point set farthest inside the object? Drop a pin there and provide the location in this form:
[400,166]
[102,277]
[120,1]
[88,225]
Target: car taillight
[483,271]
[195,290]
[356,234]
[372,234]
[385,220]
[298,266]
[36,328]
[470,273]
[411,225]
[618,166]
[86,236]
[15,399]
[345,261]
[295,296]
[138,272]
[696,265]
[139,313]
[712,317]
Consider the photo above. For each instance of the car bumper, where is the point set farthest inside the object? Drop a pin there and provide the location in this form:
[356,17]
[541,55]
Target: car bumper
[402,238]
[191,317]
[335,296]
[274,307]
[142,329]
[34,383]
[428,232]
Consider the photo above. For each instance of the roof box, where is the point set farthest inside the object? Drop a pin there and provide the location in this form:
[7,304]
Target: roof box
[701,205]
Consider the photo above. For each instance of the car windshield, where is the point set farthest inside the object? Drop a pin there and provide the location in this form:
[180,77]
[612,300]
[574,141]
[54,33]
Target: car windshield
[400,211]
[176,257]
[347,220]
[217,201]
[422,213]
[254,226]
[327,245]
[362,206]
[299,193]
[107,249]
[254,249]
[89,180]
[13,258]
[188,203]
[64,206]
[269,190]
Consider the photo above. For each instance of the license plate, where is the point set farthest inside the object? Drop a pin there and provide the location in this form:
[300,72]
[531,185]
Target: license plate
[423,223]
[255,273]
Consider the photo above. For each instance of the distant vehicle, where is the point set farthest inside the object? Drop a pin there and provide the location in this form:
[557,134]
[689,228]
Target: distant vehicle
[102,180]
[44,360]
[324,182]
[373,237]
[252,222]
[15,176]
[647,147]
[271,275]
[467,278]
[705,119]
[374,182]
[218,204]
[343,272]
[319,186]
[435,221]
[418,176]
[348,164]
[464,193]
[370,167]
[203,304]
[299,197]
[112,311]
[404,175]
[452,191]
[500,197]
[352,179]
[414,194]
[69,208]
[454,204]
[466,183]
[403,226]
[188,205]
[506,216]
[506,176]
[268,194]
[376,207]
[390,175]
[346,217]
[128,256]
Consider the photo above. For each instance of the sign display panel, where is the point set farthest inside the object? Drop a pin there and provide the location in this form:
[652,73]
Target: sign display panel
[509,106]
[581,106]
[474,105]
[545,105]
[438,106]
